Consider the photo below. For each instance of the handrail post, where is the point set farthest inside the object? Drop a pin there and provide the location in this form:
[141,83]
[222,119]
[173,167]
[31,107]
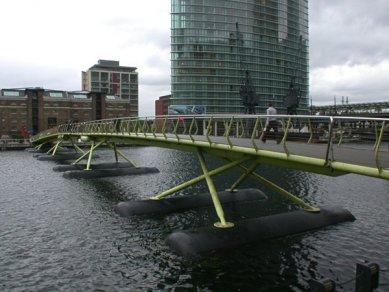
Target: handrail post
[341,133]
[286,136]
[164,128]
[310,128]
[175,128]
[329,144]
[209,129]
[377,147]
[190,129]
[253,134]
[154,127]
[228,131]
[183,123]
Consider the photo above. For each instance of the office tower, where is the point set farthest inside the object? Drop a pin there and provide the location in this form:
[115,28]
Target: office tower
[236,56]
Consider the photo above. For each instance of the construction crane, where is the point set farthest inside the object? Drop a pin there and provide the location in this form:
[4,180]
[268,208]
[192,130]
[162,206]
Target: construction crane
[246,90]
[293,96]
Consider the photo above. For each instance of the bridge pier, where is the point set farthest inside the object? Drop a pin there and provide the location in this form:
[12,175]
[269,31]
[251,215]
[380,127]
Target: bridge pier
[205,240]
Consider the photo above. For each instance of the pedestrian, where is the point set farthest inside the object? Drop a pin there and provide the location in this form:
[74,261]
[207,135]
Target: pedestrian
[271,123]
[24,132]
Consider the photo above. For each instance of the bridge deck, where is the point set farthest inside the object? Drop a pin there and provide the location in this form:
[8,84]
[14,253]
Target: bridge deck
[219,136]
[358,154]
[347,153]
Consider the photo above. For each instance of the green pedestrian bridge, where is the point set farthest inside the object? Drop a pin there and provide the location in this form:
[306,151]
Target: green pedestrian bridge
[327,145]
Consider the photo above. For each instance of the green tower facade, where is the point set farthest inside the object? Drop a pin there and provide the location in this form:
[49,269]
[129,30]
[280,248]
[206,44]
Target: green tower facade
[235,56]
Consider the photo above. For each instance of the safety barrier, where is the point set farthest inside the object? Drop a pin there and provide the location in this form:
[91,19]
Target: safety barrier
[333,133]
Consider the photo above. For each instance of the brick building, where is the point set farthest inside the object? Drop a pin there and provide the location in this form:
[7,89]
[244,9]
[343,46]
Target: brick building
[162,105]
[38,109]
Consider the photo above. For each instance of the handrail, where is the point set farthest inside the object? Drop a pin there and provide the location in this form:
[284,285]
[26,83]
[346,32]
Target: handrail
[329,144]
[232,129]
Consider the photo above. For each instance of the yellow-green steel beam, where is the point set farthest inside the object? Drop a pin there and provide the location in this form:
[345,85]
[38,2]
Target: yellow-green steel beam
[92,148]
[292,161]
[215,198]
[243,177]
[117,151]
[280,190]
[377,147]
[90,153]
[198,179]
[76,146]
[53,149]
[324,165]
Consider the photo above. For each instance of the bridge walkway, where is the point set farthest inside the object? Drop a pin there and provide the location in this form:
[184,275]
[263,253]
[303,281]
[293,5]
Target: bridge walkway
[238,140]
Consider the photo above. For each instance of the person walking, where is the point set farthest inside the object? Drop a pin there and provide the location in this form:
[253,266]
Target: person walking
[271,123]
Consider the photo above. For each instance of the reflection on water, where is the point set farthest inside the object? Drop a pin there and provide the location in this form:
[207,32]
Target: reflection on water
[59,234]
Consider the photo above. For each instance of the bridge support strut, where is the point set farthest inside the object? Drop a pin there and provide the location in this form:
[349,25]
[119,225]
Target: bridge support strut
[271,185]
[90,153]
[198,179]
[97,145]
[117,151]
[215,198]
[246,173]
[76,147]
[53,149]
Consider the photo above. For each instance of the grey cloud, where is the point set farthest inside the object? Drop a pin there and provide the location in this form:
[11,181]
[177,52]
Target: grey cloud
[350,31]
[20,76]
[160,60]
[158,35]
[155,79]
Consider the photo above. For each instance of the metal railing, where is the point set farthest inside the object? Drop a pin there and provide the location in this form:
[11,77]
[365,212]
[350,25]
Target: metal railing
[331,132]
[14,143]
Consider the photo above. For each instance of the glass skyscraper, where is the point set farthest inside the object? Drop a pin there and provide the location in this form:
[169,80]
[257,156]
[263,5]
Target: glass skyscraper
[234,56]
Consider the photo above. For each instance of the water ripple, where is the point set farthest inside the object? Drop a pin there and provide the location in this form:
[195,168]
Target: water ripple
[59,234]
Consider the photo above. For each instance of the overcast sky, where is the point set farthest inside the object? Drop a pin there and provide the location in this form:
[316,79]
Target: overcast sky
[48,43]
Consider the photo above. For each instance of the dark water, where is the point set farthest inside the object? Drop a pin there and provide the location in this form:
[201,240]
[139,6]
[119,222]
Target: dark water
[63,235]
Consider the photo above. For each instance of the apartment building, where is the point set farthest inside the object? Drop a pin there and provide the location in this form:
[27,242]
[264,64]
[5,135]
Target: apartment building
[107,76]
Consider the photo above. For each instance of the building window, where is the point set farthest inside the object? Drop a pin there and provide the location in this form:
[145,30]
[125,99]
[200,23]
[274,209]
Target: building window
[56,94]
[104,76]
[51,122]
[80,96]
[95,76]
[125,78]
[11,93]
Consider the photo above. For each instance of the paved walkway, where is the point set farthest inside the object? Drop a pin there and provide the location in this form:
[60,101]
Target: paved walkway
[358,154]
